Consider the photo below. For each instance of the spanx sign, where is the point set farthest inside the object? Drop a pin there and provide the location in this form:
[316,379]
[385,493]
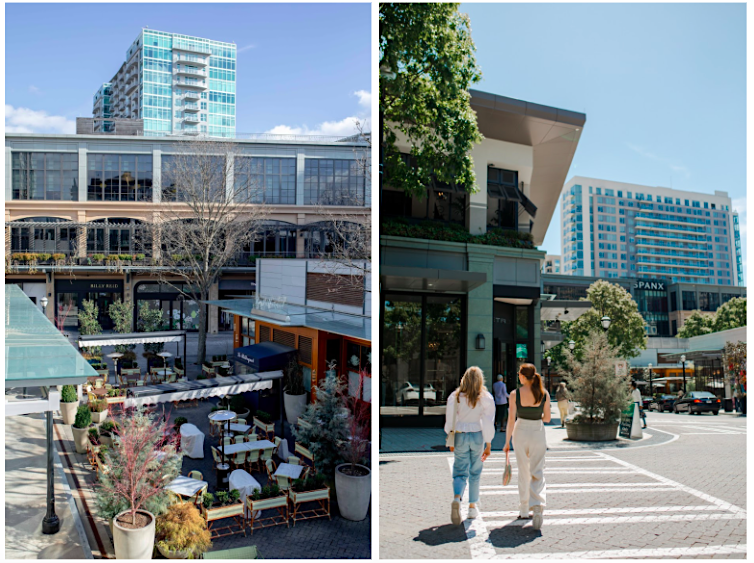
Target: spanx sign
[650,285]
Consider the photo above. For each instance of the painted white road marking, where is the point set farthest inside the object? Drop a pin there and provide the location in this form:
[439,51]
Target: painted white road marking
[650,553]
[618,519]
[609,510]
[596,490]
[566,485]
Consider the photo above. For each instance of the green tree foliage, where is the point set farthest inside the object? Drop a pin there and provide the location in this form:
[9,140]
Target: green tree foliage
[89,323]
[731,314]
[151,320]
[599,392]
[696,325]
[120,314]
[427,65]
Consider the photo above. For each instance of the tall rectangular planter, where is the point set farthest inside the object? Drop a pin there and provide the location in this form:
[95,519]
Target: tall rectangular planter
[279,517]
[320,496]
[232,511]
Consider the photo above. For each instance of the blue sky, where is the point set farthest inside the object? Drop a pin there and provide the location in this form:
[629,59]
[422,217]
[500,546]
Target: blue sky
[663,87]
[301,67]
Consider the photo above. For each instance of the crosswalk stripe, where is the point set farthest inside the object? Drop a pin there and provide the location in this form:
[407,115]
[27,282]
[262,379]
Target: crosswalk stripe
[566,485]
[652,552]
[588,490]
[606,510]
[618,519]
[595,471]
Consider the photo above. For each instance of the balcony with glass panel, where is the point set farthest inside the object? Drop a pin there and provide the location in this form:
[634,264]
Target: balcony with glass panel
[191,119]
[191,96]
[181,57]
[190,47]
[190,72]
[190,107]
[191,83]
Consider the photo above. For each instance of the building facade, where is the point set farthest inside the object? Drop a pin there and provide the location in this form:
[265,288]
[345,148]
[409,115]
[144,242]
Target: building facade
[665,305]
[447,305]
[177,84]
[618,230]
[551,264]
[78,207]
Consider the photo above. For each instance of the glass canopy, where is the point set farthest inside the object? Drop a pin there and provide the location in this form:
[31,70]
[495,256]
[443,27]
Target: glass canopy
[287,314]
[36,353]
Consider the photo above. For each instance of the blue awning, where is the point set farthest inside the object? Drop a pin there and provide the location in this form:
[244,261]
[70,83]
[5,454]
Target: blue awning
[266,356]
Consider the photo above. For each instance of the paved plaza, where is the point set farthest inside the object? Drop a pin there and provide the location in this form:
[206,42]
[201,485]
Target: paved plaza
[680,493]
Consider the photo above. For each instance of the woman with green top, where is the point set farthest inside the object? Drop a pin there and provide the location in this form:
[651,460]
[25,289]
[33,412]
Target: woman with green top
[530,404]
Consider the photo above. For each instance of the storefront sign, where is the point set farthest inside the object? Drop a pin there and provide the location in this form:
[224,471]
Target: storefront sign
[94,286]
[650,285]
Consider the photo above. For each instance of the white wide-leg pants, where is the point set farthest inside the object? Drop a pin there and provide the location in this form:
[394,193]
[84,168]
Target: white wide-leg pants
[530,446]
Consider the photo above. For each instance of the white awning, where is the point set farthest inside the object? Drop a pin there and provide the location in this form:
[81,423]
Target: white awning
[254,382]
[117,340]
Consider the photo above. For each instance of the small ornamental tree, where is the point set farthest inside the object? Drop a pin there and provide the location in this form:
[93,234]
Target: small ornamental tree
[697,324]
[356,450]
[594,385]
[89,323]
[151,320]
[734,362]
[139,472]
[120,313]
[328,426]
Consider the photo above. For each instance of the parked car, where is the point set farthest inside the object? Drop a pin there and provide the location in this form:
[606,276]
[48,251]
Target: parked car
[663,403]
[409,394]
[645,401]
[697,402]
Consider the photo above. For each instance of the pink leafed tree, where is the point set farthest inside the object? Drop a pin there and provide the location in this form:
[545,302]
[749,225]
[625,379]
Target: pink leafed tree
[62,316]
[143,462]
[355,450]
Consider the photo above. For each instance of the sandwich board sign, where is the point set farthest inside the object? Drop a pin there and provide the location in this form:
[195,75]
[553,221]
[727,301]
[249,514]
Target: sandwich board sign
[630,423]
[621,368]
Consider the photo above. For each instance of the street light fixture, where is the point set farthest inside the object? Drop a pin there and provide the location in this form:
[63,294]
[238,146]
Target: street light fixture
[571,345]
[51,522]
[549,374]
[606,322]
[683,361]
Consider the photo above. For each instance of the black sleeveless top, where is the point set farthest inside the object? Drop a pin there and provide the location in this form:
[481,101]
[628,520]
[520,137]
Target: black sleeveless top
[529,413]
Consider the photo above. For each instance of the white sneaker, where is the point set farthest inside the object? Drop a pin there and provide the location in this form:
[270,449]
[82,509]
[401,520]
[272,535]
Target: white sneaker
[473,512]
[536,521]
[455,512]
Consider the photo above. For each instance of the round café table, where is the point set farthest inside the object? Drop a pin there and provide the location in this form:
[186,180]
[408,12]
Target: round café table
[223,416]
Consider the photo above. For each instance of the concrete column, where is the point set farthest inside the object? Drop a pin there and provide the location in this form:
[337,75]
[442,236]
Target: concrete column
[157,174]
[83,165]
[214,294]
[50,293]
[479,315]
[230,180]
[300,166]
[8,174]
[300,242]
[477,212]
[81,235]
[156,250]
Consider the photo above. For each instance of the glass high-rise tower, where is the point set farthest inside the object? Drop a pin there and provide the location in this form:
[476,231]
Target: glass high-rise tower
[177,84]
[619,230]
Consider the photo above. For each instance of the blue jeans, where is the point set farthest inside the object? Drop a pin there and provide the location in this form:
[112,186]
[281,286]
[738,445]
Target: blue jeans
[467,466]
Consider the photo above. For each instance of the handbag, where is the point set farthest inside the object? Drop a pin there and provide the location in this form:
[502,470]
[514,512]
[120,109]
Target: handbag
[508,473]
[450,441]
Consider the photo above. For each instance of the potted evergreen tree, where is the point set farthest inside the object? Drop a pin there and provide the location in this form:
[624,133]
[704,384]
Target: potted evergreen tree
[600,393]
[145,460]
[81,428]
[69,402]
[294,395]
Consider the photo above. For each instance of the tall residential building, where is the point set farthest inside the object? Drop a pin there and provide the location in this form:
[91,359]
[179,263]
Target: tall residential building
[551,264]
[619,230]
[177,84]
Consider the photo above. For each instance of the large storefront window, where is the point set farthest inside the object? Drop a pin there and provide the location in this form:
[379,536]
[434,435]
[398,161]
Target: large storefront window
[70,295]
[119,177]
[178,312]
[45,175]
[422,353]
[512,331]
[270,180]
[333,182]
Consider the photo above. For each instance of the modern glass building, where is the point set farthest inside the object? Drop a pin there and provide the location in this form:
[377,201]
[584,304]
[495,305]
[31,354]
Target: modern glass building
[613,229]
[177,84]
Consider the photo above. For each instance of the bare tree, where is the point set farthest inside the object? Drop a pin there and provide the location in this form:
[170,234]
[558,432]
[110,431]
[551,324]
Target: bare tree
[211,210]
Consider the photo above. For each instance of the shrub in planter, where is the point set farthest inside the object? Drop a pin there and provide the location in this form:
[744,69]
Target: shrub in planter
[69,402]
[180,420]
[599,392]
[182,533]
[94,436]
[268,491]
[264,417]
[81,428]
[140,257]
[98,257]
[294,393]
[58,256]
[99,411]
[311,483]
[106,432]
[134,486]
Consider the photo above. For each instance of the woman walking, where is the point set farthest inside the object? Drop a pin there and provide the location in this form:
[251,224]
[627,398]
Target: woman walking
[470,415]
[562,396]
[530,404]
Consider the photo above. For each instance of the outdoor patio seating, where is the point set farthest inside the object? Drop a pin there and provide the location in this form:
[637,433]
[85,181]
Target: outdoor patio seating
[239,462]
[196,475]
[253,459]
[266,454]
[270,466]
[188,487]
[246,552]
[293,460]
[227,441]
[245,483]
[240,439]
[252,437]
[192,441]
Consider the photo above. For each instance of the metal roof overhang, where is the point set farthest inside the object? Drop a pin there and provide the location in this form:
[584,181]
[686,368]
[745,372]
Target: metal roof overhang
[699,354]
[553,133]
[403,278]
[36,353]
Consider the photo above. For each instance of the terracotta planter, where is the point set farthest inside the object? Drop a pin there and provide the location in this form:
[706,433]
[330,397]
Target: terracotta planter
[586,432]
[294,407]
[80,439]
[134,544]
[353,492]
[68,411]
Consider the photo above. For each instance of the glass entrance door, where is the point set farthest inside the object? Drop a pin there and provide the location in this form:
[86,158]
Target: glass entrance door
[400,375]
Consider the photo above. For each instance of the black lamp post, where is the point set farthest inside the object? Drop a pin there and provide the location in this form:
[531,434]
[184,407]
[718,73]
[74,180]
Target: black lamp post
[549,375]
[683,361]
[606,323]
[650,381]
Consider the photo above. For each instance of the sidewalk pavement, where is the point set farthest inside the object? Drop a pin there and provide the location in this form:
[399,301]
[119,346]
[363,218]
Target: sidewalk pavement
[26,497]
[397,440]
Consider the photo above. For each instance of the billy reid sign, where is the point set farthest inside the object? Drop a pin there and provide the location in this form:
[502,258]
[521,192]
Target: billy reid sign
[650,285]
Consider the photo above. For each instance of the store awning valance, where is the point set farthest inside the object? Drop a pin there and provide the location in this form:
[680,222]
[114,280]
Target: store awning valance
[131,338]
[264,356]
[200,389]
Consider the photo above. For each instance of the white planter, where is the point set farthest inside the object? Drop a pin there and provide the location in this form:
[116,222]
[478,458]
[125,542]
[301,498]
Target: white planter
[99,417]
[294,407]
[353,493]
[80,439]
[106,441]
[68,411]
[133,544]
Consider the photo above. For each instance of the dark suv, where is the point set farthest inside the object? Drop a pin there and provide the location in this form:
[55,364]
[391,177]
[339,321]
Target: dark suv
[697,402]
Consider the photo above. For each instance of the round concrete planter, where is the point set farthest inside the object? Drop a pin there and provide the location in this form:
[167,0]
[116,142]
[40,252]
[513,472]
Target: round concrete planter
[134,544]
[353,493]
[294,407]
[177,554]
[80,439]
[68,411]
[584,432]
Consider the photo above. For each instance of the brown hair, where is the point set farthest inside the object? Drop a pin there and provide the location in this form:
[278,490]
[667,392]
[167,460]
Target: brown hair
[529,371]
[472,385]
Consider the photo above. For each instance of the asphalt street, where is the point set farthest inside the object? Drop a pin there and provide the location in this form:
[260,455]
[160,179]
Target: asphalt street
[682,497]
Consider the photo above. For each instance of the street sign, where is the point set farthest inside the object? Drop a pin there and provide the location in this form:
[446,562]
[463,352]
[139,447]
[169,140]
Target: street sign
[626,421]
[621,368]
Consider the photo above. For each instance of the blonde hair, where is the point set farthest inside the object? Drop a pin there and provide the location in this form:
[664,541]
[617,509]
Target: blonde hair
[472,385]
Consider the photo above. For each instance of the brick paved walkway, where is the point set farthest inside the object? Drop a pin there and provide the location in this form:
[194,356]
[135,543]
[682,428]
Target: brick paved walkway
[682,498]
